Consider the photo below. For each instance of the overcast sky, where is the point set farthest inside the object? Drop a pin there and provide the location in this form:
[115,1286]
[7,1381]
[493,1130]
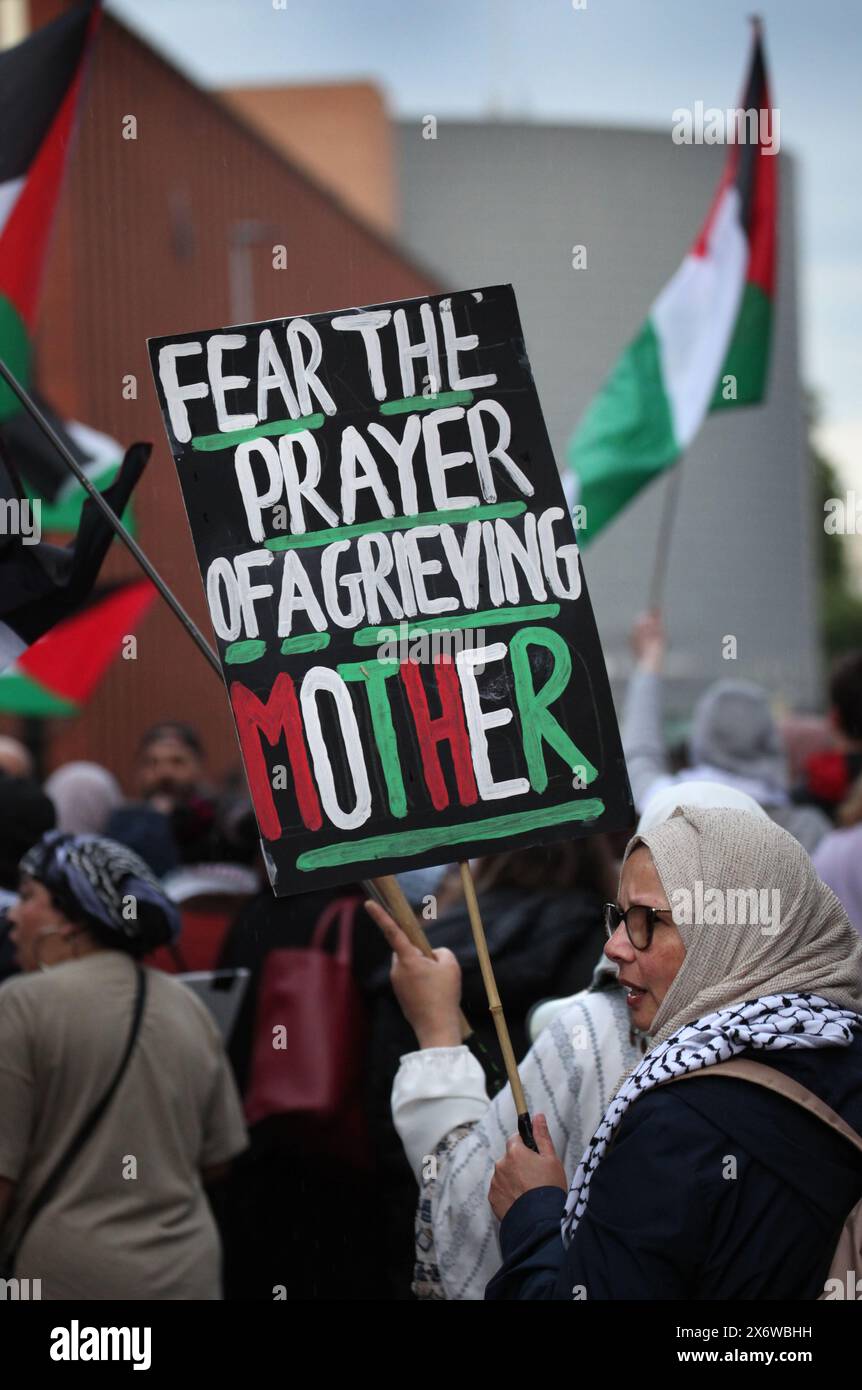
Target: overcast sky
[628,62]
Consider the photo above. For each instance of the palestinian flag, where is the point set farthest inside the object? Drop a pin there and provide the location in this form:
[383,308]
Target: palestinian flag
[705,345]
[39,84]
[42,584]
[58,674]
[44,475]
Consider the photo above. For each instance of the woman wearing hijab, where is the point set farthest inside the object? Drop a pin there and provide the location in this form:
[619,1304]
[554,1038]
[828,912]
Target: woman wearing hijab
[711,1189]
[116,1100]
[440,1107]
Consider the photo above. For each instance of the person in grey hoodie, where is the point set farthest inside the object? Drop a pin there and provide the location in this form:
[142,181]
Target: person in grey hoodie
[734,740]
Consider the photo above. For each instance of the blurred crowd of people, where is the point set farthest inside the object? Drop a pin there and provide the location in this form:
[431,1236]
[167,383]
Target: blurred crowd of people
[152,1146]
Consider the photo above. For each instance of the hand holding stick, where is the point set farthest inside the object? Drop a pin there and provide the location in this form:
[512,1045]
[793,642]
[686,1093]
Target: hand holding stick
[387,891]
[427,990]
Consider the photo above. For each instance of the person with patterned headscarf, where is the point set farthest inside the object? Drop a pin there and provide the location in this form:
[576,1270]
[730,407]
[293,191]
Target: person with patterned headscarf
[109,897]
[116,1099]
[729,946]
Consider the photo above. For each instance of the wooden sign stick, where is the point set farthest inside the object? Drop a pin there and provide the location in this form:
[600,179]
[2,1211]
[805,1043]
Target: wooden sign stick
[525,1127]
[387,888]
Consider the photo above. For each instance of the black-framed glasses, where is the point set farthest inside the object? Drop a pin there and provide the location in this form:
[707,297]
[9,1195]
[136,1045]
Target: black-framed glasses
[640,922]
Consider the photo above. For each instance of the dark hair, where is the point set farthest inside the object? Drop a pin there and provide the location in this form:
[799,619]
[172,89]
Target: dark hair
[845,693]
[183,733]
[25,814]
[570,864]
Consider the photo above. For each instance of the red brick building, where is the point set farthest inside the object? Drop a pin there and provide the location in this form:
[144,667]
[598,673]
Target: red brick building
[169,231]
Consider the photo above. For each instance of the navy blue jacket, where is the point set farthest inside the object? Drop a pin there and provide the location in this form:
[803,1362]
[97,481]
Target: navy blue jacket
[666,1218]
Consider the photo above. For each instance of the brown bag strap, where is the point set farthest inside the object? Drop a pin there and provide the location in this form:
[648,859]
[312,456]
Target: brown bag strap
[775,1080]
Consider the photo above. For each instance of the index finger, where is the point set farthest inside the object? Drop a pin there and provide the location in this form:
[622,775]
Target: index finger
[398,940]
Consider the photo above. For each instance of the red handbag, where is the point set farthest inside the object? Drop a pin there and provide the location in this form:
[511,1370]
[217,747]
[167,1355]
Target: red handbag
[306,1073]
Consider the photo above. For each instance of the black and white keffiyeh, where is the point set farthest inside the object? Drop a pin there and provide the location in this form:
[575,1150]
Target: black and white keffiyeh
[771,1023]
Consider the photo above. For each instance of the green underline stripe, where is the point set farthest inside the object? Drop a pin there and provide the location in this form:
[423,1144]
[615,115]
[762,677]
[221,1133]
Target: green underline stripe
[435,837]
[240,652]
[492,617]
[211,443]
[396,523]
[308,642]
[443,398]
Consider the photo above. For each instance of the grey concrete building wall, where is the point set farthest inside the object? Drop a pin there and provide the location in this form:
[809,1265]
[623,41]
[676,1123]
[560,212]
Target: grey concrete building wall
[484,203]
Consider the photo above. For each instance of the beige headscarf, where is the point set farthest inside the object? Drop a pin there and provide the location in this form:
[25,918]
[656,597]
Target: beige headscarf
[814,950]
[84,795]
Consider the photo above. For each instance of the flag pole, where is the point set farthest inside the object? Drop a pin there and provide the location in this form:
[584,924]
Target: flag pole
[670,502]
[111,517]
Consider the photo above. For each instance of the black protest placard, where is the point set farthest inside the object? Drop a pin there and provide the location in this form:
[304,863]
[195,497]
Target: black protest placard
[394,582]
